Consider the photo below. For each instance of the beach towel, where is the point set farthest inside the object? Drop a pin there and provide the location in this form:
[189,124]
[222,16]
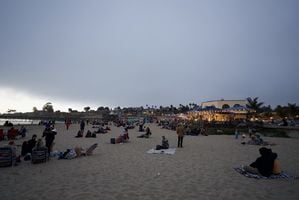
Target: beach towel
[282,175]
[170,151]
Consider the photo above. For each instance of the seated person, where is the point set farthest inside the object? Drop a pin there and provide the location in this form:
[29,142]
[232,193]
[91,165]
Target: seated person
[12,133]
[39,144]
[124,136]
[257,140]
[101,130]
[147,133]
[88,134]
[264,165]
[141,129]
[27,146]
[77,152]
[164,145]
[23,131]
[79,134]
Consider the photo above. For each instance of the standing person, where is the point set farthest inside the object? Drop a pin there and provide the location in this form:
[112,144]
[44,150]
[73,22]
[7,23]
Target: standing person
[180,132]
[67,123]
[49,135]
[236,133]
[82,125]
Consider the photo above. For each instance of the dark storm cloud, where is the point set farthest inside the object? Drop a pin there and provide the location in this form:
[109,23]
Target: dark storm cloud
[132,53]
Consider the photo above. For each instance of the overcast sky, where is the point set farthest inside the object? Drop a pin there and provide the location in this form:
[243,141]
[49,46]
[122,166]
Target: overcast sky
[133,53]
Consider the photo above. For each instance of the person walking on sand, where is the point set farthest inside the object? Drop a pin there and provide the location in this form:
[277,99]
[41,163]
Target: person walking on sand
[180,132]
[67,123]
[82,125]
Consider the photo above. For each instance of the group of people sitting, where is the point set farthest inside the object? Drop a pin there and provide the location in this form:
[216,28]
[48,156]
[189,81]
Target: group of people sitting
[13,133]
[101,129]
[88,134]
[147,134]
[256,139]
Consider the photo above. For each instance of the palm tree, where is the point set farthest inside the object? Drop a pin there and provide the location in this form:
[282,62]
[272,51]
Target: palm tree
[254,104]
[292,109]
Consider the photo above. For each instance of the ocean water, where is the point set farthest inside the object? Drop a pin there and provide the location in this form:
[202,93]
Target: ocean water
[19,121]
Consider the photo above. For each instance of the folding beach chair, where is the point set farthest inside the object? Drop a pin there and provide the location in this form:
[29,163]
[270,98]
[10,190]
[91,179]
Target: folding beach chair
[7,156]
[89,151]
[40,155]
[12,134]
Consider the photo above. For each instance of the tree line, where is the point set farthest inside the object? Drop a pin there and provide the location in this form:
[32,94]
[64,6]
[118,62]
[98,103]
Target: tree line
[290,110]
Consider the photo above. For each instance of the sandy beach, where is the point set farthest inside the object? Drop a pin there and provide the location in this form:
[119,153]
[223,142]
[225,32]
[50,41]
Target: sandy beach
[203,169]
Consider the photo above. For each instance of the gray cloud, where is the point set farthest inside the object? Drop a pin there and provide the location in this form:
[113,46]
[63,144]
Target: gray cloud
[159,52]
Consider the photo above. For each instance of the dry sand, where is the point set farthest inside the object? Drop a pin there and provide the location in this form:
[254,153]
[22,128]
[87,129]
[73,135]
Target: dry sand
[200,170]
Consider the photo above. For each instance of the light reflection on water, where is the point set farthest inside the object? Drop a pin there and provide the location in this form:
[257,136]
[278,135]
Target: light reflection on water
[19,121]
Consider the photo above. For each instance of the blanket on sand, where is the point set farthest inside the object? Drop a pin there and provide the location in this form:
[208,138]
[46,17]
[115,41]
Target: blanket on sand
[282,175]
[169,151]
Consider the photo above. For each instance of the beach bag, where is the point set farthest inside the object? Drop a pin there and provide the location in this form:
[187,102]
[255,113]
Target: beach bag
[39,155]
[7,156]
[112,140]
[276,167]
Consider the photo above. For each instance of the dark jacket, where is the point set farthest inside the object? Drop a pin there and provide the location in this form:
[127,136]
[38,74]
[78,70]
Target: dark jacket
[165,144]
[31,145]
[265,163]
[49,135]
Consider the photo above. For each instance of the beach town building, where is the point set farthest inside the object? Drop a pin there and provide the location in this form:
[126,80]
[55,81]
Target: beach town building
[220,111]
[223,104]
